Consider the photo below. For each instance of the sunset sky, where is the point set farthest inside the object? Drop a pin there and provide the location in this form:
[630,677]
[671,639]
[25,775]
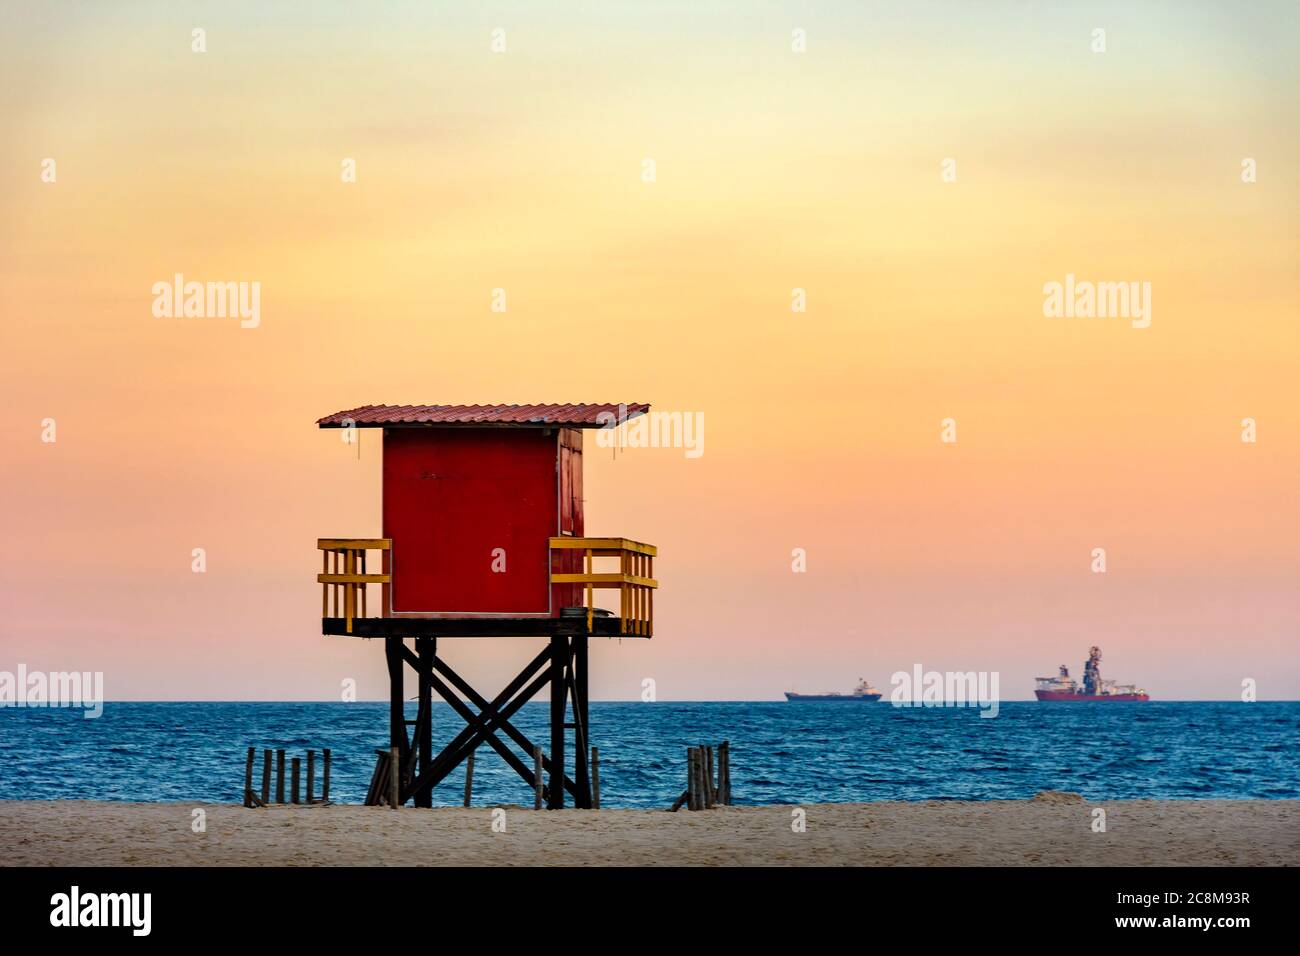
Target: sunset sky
[774,170]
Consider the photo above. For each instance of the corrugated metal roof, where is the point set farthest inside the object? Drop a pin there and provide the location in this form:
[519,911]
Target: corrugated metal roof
[574,416]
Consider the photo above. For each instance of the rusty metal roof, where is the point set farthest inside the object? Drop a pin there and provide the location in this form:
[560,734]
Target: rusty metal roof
[536,416]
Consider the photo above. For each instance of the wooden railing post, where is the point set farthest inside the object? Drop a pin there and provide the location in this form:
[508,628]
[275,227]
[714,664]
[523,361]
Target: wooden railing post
[344,578]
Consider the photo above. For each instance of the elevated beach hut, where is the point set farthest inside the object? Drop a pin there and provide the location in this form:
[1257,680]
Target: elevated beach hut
[483,536]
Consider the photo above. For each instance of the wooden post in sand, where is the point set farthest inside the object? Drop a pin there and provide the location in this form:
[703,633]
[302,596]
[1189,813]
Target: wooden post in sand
[724,773]
[311,776]
[595,778]
[710,792]
[469,776]
[325,783]
[297,769]
[266,777]
[394,777]
[248,780]
[279,776]
[537,778]
[692,787]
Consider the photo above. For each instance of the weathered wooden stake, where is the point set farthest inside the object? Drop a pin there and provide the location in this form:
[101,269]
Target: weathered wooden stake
[266,777]
[297,770]
[537,778]
[469,776]
[726,764]
[394,777]
[279,776]
[325,783]
[595,778]
[710,792]
[248,779]
[692,779]
[311,776]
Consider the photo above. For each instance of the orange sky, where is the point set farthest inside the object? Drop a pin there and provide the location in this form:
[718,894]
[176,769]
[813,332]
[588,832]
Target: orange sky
[522,170]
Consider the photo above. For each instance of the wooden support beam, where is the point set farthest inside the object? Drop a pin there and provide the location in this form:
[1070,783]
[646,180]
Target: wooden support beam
[422,742]
[475,721]
[503,708]
[279,776]
[578,695]
[559,695]
[394,648]
[507,728]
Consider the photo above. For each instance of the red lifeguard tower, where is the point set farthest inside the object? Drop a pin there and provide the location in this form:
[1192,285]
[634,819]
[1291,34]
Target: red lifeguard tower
[483,536]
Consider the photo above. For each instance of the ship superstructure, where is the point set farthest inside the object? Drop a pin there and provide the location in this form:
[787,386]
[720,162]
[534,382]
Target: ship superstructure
[1064,687]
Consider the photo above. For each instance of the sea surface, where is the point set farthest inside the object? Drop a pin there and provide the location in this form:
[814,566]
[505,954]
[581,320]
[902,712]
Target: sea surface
[781,752]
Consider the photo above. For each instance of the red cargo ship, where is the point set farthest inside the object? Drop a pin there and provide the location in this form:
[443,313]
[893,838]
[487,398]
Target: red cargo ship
[1064,687]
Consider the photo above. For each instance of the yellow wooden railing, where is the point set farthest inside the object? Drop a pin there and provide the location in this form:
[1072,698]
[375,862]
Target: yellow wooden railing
[634,579]
[343,577]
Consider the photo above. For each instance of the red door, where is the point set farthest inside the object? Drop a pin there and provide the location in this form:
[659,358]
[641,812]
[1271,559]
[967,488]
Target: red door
[469,511]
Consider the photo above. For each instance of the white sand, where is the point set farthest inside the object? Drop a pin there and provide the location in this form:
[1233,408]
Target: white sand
[1052,829]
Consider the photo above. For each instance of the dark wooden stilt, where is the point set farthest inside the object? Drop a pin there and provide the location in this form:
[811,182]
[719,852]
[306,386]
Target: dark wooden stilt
[279,776]
[425,649]
[397,742]
[266,777]
[311,776]
[325,781]
[578,691]
[559,693]
[297,770]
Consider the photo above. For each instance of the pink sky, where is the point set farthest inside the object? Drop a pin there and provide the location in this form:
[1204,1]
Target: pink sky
[775,171]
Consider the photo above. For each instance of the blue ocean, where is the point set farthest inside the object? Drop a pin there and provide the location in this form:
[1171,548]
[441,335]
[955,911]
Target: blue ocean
[781,752]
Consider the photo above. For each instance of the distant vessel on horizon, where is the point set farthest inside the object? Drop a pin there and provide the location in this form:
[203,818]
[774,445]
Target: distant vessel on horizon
[1064,687]
[864,691]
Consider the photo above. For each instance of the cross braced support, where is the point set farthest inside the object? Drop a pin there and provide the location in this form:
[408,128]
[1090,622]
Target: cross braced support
[561,666]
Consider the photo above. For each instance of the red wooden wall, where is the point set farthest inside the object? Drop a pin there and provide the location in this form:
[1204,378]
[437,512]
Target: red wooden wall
[453,495]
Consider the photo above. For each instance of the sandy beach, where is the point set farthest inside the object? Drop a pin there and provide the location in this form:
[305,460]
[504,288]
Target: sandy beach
[1051,829]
